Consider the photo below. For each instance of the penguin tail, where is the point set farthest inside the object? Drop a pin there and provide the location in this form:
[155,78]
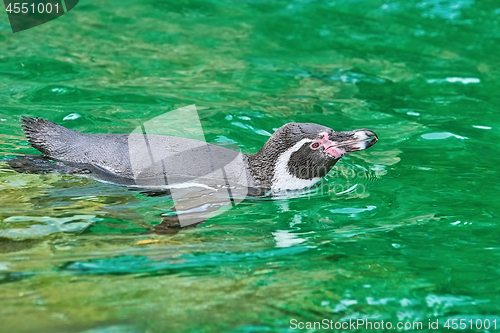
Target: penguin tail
[43,134]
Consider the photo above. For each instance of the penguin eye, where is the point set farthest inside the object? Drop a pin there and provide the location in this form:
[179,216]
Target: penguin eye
[315,145]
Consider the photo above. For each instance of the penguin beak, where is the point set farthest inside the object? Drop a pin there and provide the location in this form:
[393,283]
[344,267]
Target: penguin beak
[362,139]
[343,143]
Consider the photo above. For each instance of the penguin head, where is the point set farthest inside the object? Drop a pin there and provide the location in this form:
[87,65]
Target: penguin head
[305,152]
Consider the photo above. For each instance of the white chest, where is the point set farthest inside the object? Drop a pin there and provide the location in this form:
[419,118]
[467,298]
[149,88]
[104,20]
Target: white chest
[283,179]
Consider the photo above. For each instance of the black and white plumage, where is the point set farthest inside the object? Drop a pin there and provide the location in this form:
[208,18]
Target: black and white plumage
[296,156]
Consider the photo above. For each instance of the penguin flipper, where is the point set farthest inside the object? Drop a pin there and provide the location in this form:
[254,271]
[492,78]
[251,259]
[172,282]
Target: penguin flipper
[49,138]
[38,164]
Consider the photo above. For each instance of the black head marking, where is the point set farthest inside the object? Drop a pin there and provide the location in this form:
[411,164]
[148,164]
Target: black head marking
[307,163]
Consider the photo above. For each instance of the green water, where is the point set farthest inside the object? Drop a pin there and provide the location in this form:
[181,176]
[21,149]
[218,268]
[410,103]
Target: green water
[416,239]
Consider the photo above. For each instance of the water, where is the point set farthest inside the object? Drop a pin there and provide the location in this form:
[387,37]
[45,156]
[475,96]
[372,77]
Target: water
[407,233]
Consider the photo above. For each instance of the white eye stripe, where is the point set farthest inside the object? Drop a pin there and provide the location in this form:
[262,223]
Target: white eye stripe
[322,134]
[282,178]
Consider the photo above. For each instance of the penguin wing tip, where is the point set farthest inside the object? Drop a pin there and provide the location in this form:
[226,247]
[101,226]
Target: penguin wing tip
[32,122]
[30,127]
[27,121]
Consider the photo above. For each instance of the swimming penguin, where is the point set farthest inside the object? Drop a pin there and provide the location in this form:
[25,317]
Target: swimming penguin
[296,156]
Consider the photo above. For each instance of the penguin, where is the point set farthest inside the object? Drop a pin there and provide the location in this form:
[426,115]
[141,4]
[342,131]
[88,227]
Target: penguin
[295,157]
